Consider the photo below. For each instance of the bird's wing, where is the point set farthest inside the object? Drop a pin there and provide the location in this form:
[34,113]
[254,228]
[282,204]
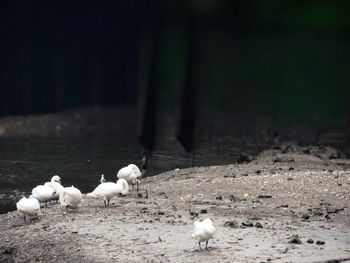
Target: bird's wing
[197,229]
[124,172]
[102,189]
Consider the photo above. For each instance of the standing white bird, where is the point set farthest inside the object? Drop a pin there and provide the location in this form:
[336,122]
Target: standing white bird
[103,179]
[130,173]
[28,207]
[107,190]
[70,197]
[203,231]
[43,193]
[55,185]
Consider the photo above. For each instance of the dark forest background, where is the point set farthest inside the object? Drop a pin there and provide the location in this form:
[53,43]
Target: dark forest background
[286,60]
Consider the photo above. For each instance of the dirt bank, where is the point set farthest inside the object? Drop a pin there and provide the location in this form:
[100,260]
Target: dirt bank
[276,196]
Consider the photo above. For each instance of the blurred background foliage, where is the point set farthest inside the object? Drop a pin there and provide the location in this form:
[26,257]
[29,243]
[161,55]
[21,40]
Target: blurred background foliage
[281,58]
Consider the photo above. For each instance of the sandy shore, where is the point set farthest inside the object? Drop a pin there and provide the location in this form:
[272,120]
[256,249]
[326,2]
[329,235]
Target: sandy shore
[257,208]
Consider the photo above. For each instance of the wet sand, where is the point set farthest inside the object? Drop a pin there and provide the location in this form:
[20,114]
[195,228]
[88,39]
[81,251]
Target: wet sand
[286,193]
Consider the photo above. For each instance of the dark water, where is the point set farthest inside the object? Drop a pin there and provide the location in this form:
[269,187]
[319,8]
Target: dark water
[25,163]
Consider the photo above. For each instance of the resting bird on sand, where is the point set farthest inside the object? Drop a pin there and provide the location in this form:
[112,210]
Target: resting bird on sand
[55,185]
[203,231]
[43,193]
[70,197]
[103,179]
[28,207]
[107,190]
[130,173]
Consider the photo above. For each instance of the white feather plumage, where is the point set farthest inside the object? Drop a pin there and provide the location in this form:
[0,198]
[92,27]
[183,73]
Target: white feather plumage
[203,231]
[42,192]
[130,173]
[55,185]
[70,197]
[108,190]
[28,207]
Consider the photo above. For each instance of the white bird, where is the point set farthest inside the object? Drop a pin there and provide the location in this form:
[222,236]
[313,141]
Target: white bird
[107,190]
[55,185]
[103,179]
[203,231]
[70,197]
[43,193]
[130,173]
[28,207]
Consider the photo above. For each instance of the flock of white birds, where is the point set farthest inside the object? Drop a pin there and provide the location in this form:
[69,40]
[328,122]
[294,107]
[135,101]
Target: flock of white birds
[70,197]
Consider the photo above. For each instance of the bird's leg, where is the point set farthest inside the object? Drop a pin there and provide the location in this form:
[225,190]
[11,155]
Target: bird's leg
[206,245]
[137,185]
[108,201]
[24,218]
[105,202]
[199,243]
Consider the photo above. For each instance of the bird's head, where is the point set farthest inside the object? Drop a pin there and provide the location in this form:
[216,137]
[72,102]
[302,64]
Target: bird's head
[56,179]
[135,169]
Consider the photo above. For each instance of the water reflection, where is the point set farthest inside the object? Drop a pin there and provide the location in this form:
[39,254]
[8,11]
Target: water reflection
[25,163]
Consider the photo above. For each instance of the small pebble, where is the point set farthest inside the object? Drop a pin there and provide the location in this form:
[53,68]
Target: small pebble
[295,240]
[231,224]
[306,216]
[258,225]
[310,241]
[247,224]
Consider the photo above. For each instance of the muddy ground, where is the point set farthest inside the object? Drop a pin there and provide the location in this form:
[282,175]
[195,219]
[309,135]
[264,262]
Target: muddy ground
[257,207]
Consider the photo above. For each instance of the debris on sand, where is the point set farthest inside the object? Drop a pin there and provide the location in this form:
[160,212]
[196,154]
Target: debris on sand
[229,176]
[7,249]
[333,210]
[306,216]
[163,194]
[234,198]
[218,197]
[317,211]
[247,223]
[295,240]
[258,225]
[320,242]
[264,196]
[310,241]
[282,206]
[193,214]
[231,224]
